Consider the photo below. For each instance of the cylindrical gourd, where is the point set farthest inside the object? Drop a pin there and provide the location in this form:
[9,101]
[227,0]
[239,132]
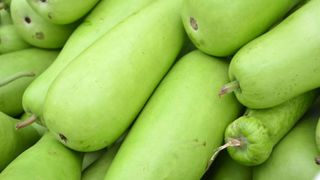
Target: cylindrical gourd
[105,87]
[181,125]
[12,141]
[27,62]
[293,157]
[259,130]
[280,64]
[221,27]
[106,15]
[47,159]
[36,30]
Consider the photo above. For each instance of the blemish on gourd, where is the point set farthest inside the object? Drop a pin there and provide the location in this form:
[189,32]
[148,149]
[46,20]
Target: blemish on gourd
[39,35]
[50,15]
[193,23]
[27,20]
[63,138]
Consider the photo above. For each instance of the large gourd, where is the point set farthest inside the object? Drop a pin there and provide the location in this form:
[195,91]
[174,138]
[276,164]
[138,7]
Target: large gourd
[99,94]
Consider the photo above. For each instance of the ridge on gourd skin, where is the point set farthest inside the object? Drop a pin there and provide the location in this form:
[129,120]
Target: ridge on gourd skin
[259,130]
[37,31]
[293,157]
[62,11]
[47,159]
[180,126]
[280,64]
[221,27]
[17,70]
[106,15]
[105,87]
[13,142]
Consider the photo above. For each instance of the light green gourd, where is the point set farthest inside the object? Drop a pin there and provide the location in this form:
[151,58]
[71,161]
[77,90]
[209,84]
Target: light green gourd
[105,87]
[181,126]
[106,15]
[47,159]
[281,64]
[221,27]
[259,130]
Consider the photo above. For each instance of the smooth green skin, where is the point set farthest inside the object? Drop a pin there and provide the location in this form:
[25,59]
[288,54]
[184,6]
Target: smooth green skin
[28,60]
[62,11]
[106,15]
[261,129]
[223,26]
[47,159]
[318,135]
[38,32]
[104,89]
[181,126]
[225,168]
[98,170]
[10,40]
[293,157]
[282,63]
[13,142]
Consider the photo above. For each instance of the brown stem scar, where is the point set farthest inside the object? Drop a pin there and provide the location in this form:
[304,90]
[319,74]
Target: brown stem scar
[26,122]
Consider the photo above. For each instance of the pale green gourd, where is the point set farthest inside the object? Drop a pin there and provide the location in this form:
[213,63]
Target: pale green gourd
[181,125]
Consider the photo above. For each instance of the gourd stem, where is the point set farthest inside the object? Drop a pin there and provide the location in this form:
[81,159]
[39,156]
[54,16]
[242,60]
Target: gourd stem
[26,122]
[15,77]
[231,143]
[228,88]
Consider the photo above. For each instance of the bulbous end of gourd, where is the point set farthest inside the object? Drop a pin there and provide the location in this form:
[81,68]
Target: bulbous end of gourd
[255,146]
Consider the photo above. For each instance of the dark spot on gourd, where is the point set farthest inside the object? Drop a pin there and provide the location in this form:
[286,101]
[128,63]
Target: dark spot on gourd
[43,1]
[27,19]
[204,143]
[317,160]
[50,15]
[39,35]
[63,138]
[193,23]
